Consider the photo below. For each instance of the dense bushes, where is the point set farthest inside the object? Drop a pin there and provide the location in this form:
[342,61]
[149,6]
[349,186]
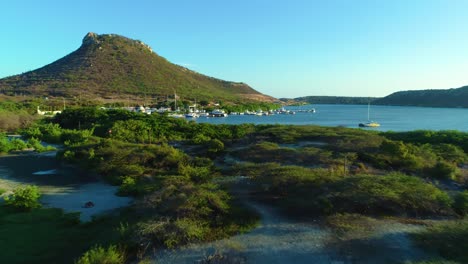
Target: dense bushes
[100,255]
[322,171]
[16,144]
[389,151]
[116,160]
[307,190]
[187,212]
[170,234]
[11,121]
[452,137]
[141,128]
[449,239]
[53,133]
[461,203]
[393,193]
[179,203]
[305,156]
[6,145]
[24,198]
[219,218]
[444,170]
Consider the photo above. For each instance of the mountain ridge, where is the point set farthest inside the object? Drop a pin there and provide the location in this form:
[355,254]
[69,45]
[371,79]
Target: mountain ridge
[453,97]
[321,99]
[110,65]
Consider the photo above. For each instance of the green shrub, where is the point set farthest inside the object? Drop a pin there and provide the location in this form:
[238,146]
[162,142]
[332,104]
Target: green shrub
[100,255]
[196,174]
[18,144]
[24,198]
[71,137]
[445,170]
[47,132]
[448,238]
[132,170]
[200,139]
[68,155]
[5,144]
[128,186]
[461,203]
[185,230]
[393,193]
[215,146]
[172,233]
[35,143]
[306,190]
[351,226]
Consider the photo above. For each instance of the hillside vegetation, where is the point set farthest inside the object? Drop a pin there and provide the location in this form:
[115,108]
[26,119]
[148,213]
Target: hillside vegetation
[112,66]
[335,100]
[429,98]
[184,178]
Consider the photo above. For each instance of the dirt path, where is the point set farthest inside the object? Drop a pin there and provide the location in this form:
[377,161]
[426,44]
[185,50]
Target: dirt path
[279,239]
[61,187]
[276,240]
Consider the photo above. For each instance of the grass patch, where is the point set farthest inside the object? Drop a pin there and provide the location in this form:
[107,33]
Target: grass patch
[351,226]
[449,239]
[49,235]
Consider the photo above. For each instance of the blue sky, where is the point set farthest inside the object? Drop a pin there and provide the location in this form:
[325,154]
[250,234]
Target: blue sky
[281,48]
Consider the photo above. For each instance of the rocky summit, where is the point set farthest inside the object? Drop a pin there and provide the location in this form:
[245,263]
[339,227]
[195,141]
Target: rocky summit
[112,66]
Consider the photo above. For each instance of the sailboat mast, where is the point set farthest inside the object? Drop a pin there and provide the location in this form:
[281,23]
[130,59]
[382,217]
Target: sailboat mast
[368,111]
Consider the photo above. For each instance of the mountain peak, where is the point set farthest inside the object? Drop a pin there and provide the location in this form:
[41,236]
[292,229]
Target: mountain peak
[110,65]
[90,38]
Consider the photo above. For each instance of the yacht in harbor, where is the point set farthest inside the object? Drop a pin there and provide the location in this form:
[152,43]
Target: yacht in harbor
[191,115]
[369,123]
[218,113]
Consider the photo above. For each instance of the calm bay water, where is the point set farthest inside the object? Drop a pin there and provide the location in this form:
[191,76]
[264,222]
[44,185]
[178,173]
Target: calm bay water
[391,118]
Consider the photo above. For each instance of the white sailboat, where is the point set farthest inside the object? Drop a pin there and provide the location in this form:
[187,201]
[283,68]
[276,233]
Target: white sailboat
[369,123]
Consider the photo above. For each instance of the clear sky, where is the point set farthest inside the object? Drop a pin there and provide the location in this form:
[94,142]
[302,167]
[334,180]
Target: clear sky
[281,48]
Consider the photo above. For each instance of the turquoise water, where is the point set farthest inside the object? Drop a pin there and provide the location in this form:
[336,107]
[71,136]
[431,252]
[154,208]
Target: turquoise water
[394,118]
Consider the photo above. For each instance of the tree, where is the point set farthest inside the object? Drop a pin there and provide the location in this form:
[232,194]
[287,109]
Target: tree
[24,198]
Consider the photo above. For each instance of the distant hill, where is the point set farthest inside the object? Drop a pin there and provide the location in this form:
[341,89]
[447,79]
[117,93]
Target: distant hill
[334,100]
[113,66]
[457,97]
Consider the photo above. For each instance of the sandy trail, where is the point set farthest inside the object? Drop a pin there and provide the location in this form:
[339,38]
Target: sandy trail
[61,187]
[279,239]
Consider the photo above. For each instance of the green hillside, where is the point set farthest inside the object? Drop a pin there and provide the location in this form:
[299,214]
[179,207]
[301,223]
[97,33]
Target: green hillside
[431,98]
[111,66]
[334,100]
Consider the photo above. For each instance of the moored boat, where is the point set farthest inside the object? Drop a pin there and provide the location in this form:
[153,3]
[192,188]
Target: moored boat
[369,123]
[218,113]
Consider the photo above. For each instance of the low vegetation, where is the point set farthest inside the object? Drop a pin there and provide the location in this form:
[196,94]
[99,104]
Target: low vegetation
[49,236]
[427,98]
[24,198]
[311,191]
[177,169]
[351,226]
[16,144]
[14,116]
[100,255]
[449,239]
